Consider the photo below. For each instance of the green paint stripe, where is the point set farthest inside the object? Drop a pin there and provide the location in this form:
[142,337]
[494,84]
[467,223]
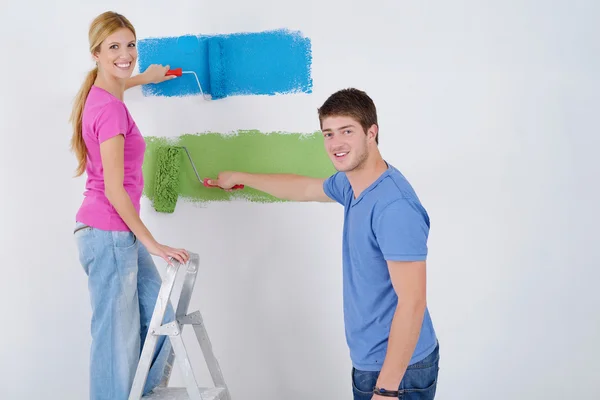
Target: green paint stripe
[246,151]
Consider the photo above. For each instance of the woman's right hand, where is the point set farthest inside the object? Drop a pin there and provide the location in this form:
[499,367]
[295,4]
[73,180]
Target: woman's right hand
[164,252]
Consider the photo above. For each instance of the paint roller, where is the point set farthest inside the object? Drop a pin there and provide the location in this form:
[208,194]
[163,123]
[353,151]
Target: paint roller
[216,70]
[166,179]
[180,72]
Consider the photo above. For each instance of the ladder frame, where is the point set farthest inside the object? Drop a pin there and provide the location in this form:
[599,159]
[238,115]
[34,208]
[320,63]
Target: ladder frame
[174,330]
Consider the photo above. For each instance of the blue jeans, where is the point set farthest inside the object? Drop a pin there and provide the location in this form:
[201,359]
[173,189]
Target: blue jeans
[123,283]
[419,381]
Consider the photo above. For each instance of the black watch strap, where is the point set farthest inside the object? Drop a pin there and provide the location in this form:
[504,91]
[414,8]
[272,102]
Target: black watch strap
[386,393]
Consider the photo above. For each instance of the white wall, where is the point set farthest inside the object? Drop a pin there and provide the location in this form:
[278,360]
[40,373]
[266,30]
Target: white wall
[490,109]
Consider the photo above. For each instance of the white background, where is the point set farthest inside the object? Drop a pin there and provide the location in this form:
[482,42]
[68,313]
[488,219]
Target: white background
[489,108]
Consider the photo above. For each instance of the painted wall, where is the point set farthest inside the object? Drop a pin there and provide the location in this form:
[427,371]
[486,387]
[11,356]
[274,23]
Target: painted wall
[489,109]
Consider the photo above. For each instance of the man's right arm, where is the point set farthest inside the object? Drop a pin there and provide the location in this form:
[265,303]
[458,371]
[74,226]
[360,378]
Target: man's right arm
[283,186]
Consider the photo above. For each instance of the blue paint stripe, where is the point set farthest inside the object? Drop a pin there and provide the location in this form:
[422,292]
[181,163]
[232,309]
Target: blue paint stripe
[262,63]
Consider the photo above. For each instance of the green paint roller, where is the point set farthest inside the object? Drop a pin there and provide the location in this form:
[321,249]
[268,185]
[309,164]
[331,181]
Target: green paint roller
[166,179]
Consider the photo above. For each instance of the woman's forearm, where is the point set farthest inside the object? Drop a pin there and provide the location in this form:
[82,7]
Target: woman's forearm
[139,79]
[120,200]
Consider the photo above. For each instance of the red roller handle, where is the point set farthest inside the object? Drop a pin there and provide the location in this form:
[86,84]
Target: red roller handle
[176,72]
[209,185]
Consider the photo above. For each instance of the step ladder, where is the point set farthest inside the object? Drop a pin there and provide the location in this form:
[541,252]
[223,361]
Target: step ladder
[174,330]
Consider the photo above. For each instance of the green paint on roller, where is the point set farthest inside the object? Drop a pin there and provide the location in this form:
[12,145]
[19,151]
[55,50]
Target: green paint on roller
[166,179]
[247,151]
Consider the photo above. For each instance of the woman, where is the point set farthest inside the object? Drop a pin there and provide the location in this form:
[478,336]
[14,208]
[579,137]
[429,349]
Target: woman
[114,244]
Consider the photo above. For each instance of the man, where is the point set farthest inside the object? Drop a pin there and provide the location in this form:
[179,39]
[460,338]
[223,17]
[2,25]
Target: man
[393,345]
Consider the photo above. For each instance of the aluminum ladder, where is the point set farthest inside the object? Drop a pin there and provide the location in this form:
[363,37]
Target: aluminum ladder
[173,330]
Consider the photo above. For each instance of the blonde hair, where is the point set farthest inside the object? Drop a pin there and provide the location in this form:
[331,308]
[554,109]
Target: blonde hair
[101,27]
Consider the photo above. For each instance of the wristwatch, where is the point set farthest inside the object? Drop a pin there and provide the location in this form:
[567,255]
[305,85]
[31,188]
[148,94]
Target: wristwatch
[386,393]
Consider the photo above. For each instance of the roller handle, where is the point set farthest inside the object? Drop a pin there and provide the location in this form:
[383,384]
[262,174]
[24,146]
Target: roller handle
[176,72]
[209,185]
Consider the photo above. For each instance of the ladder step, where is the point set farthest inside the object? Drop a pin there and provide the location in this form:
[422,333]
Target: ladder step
[178,353]
[180,393]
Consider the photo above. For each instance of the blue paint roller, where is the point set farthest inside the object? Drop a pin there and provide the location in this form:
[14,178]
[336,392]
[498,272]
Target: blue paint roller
[216,71]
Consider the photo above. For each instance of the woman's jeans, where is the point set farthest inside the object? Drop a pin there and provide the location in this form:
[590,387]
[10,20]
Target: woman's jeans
[123,283]
[419,381]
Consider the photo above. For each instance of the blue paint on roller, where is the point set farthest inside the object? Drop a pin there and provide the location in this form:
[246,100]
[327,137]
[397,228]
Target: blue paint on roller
[262,63]
[216,67]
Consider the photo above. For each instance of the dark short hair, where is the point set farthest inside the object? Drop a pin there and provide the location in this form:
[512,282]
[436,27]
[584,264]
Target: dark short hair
[353,103]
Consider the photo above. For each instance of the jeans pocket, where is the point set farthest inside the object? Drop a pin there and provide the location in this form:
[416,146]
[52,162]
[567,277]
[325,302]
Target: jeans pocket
[84,241]
[81,228]
[125,248]
[123,239]
[421,393]
[363,382]
[420,381]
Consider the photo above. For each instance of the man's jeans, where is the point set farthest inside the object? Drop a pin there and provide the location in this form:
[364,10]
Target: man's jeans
[419,381]
[123,283]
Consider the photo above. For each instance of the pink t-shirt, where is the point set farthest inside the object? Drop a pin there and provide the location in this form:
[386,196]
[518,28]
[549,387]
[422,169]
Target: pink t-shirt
[105,116]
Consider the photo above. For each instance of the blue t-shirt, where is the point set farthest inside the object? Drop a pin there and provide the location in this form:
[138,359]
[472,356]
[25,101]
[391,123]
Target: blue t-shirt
[386,222]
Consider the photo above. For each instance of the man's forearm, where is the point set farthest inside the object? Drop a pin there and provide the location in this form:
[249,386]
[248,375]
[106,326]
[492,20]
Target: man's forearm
[283,186]
[403,338]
